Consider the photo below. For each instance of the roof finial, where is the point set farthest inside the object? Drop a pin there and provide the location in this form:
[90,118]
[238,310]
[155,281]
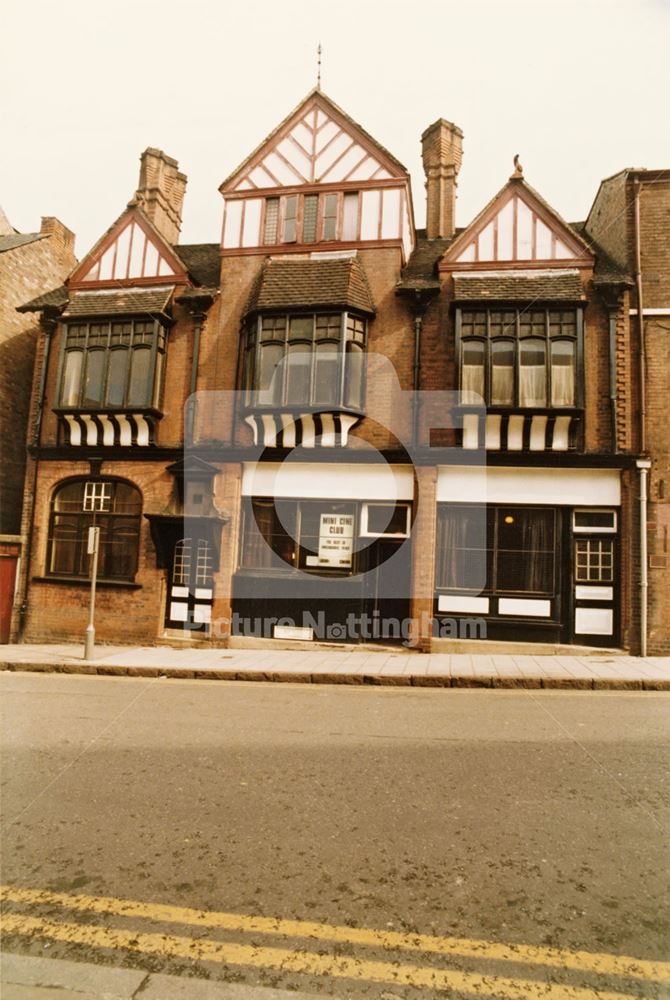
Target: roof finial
[518,169]
[318,67]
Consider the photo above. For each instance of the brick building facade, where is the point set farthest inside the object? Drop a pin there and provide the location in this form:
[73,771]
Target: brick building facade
[334,426]
[30,263]
[630,218]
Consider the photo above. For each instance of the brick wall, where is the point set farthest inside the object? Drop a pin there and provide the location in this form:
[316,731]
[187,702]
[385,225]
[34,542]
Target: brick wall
[655,243]
[25,272]
[58,611]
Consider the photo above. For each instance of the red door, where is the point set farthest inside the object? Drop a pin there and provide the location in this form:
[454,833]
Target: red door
[7,580]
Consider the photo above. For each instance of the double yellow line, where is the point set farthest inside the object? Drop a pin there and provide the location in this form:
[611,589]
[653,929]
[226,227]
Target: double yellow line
[306,962]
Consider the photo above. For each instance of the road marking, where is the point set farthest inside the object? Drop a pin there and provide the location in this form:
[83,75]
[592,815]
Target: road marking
[582,961]
[229,953]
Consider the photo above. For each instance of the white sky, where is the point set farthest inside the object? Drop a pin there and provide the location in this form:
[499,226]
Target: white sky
[579,88]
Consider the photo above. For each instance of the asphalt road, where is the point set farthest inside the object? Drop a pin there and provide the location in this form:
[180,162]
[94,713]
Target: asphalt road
[484,819]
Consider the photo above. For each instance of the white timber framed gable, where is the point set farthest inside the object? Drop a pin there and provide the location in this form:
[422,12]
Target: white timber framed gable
[318,182]
[517,228]
[518,278]
[132,252]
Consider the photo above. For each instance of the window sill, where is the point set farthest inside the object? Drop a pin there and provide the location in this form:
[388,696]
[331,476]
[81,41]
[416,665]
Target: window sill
[79,581]
[107,410]
[291,573]
[300,408]
[495,408]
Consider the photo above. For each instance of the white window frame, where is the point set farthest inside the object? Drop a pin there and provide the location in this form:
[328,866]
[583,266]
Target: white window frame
[366,533]
[578,529]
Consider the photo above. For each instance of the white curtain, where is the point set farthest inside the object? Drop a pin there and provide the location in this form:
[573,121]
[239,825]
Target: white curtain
[532,385]
[472,382]
[562,385]
[502,385]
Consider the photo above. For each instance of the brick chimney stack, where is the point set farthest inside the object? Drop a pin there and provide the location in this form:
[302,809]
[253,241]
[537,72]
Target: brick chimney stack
[62,239]
[442,152]
[161,192]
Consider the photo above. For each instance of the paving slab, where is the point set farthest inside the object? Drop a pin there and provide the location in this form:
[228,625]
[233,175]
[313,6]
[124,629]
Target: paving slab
[365,666]
[27,977]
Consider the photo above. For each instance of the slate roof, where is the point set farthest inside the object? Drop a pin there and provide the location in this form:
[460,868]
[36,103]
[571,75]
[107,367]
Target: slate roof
[54,299]
[200,295]
[506,286]
[124,302]
[606,270]
[203,262]
[15,240]
[300,283]
[421,268]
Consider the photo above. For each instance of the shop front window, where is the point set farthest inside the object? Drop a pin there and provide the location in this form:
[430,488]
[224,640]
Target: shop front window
[309,535]
[496,550]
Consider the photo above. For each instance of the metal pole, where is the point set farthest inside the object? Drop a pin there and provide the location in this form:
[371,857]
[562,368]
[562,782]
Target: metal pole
[643,465]
[93,545]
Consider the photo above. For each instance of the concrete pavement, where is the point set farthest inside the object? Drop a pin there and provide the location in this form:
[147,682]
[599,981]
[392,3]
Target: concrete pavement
[24,977]
[323,665]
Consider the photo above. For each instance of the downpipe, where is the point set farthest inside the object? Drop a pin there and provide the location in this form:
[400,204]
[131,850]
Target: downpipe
[643,464]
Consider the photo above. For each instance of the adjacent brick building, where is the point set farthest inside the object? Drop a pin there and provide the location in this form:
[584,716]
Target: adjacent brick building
[630,218]
[30,263]
[335,426]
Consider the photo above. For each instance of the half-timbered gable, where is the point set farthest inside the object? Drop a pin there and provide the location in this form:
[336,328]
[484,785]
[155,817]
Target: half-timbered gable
[517,228]
[318,181]
[518,288]
[132,252]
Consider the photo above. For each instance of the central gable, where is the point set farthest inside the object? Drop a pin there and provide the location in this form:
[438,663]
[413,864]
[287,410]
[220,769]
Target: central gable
[131,252]
[318,182]
[517,227]
[317,144]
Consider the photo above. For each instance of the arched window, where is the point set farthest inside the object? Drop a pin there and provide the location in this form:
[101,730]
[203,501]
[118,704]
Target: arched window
[110,504]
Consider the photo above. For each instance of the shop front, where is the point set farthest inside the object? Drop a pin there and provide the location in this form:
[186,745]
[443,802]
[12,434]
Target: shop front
[324,552]
[533,553]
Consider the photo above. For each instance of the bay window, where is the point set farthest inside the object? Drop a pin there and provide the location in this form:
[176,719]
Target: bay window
[526,358]
[314,360]
[112,364]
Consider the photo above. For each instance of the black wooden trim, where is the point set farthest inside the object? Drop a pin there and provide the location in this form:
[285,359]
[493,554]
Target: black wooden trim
[82,581]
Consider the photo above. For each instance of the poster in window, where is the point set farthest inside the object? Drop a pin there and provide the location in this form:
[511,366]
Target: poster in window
[336,539]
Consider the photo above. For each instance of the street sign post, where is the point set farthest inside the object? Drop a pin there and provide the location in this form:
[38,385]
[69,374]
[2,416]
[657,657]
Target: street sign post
[92,549]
